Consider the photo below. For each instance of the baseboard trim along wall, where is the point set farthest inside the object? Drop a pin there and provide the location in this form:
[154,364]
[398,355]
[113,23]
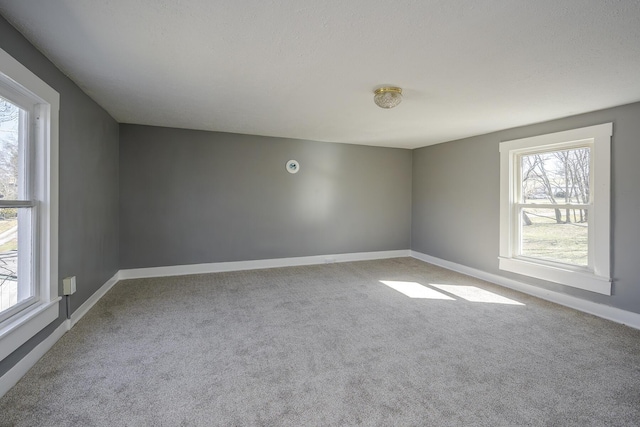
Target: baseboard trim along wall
[11,378]
[13,375]
[93,299]
[607,312]
[219,267]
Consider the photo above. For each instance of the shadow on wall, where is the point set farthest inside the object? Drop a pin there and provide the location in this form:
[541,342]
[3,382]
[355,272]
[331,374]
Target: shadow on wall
[315,193]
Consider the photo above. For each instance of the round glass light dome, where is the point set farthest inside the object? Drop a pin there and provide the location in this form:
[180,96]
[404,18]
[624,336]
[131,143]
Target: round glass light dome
[387,97]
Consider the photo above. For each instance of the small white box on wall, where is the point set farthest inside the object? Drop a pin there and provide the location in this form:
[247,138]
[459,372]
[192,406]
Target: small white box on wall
[69,285]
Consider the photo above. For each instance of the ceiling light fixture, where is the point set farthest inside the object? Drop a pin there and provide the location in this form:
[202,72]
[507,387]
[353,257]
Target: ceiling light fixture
[387,97]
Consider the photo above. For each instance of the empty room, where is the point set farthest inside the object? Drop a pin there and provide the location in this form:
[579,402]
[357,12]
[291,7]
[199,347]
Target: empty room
[319,213]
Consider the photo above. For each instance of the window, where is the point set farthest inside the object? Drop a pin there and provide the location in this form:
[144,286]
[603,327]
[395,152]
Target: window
[554,207]
[16,210]
[28,204]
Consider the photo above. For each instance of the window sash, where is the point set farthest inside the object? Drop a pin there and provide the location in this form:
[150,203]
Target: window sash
[517,203]
[15,309]
[598,138]
[17,203]
[25,89]
[26,205]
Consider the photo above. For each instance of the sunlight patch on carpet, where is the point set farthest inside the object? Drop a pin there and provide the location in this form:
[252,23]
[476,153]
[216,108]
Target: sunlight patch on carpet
[415,290]
[474,294]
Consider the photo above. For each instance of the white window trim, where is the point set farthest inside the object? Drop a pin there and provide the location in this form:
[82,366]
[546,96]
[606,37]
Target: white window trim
[598,278]
[22,326]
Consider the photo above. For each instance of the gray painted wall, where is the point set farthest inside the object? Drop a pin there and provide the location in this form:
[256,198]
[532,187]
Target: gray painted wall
[191,197]
[456,201]
[88,225]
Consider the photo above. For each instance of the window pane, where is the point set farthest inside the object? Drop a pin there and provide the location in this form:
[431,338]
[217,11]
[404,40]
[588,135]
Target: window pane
[555,235]
[10,116]
[556,176]
[14,264]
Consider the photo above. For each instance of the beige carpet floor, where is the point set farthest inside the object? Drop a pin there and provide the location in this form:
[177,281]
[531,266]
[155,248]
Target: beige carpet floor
[382,343]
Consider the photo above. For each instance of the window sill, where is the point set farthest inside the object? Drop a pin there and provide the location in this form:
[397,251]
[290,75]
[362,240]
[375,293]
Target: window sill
[565,276]
[21,327]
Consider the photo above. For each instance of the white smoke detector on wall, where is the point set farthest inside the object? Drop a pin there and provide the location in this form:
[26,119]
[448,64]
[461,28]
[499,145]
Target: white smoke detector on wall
[292,166]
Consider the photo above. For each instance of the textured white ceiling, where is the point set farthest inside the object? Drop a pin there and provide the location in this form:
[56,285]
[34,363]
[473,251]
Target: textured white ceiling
[307,68]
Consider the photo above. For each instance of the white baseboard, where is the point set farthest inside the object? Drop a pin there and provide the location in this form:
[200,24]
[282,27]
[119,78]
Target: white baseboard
[607,312]
[86,306]
[13,375]
[219,267]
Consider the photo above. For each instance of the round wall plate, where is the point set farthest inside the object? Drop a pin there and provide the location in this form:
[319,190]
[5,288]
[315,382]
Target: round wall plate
[292,166]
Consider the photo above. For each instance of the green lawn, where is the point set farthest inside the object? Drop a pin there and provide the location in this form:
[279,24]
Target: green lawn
[6,224]
[11,245]
[546,239]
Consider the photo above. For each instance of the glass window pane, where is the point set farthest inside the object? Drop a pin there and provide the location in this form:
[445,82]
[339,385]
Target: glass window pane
[14,263]
[556,176]
[559,235]
[10,117]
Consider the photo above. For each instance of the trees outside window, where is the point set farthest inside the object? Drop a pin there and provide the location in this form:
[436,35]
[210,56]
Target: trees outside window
[10,137]
[554,207]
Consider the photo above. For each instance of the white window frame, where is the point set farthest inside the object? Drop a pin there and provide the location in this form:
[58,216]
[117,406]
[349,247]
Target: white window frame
[45,103]
[596,277]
